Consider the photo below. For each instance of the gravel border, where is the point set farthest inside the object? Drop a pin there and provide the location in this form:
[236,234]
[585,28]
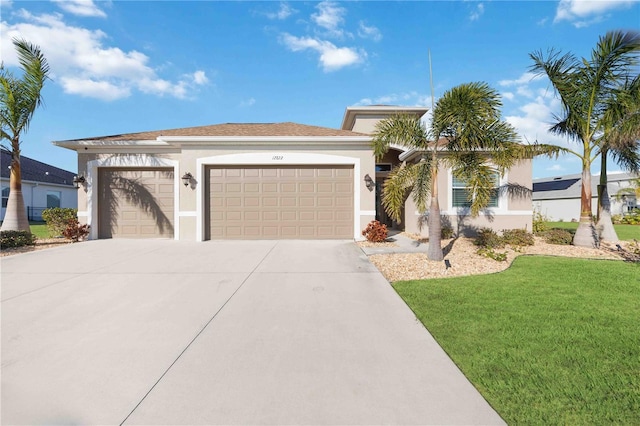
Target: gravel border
[465,261]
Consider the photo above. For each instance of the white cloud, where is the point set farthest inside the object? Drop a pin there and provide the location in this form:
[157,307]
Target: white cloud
[508,95]
[332,58]
[81,8]
[412,98]
[283,13]
[6,4]
[330,16]
[370,32]
[200,78]
[586,12]
[535,119]
[525,78]
[94,89]
[83,65]
[249,102]
[477,13]
[555,168]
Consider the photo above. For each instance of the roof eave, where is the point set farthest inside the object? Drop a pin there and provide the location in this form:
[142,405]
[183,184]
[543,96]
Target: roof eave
[263,140]
[350,113]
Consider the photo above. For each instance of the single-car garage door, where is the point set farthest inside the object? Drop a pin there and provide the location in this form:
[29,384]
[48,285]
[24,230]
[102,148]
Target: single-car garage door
[297,202]
[135,203]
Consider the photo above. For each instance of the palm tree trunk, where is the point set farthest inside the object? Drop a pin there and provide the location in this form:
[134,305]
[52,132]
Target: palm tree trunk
[586,235]
[434,251]
[605,228]
[15,218]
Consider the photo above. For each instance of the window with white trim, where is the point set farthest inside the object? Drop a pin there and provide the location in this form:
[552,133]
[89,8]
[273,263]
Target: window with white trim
[5,197]
[53,199]
[460,193]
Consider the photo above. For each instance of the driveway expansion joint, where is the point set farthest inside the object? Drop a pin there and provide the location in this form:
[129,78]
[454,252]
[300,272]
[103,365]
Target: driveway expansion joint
[199,333]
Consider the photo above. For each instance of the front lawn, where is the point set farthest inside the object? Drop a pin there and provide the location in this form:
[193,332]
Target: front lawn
[39,229]
[548,341]
[625,232]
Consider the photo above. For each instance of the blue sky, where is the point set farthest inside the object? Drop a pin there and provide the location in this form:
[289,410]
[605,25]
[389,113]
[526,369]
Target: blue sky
[125,66]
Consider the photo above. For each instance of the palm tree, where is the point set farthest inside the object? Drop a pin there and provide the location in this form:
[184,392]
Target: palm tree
[585,87]
[19,98]
[621,138]
[467,135]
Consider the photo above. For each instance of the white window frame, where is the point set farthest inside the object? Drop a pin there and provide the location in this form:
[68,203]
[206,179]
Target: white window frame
[58,194]
[5,200]
[502,198]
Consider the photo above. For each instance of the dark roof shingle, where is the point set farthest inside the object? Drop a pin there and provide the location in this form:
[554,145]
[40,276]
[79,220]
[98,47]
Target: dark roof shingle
[36,171]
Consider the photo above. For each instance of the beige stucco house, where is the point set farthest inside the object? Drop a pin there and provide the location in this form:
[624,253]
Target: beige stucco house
[259,181]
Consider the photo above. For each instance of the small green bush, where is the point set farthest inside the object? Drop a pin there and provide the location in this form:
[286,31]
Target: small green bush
[558,236]
[375,232]
[487,238]
[539,222]
[632,218]
[517,237]
[492,254]
[447,232]
[57,219]
[16,239]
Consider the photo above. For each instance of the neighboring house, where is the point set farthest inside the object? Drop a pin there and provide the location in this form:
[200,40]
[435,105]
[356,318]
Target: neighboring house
[558,197]
[43,186]
[258,181]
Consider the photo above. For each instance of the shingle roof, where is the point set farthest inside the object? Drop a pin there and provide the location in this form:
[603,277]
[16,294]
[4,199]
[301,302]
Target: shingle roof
[36,171]
[232,129]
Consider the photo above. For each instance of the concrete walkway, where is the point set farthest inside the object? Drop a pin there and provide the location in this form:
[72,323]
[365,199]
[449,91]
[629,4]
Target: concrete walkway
[403,244]
[221,332]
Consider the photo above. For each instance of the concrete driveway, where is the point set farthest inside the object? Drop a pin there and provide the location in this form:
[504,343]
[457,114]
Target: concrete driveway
[221,332]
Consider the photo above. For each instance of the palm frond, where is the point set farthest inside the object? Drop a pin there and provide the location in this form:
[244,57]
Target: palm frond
[401,129]
[422,184]
[399,183]
[480,180]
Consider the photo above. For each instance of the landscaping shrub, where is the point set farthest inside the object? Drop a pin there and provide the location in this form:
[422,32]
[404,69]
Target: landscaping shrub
[539,222]
[517,237]
[492,254]
[632,218]
[558,236]
[75,231]
[447,232]
[375,232]
[57,219]
[488,238]
[16,239]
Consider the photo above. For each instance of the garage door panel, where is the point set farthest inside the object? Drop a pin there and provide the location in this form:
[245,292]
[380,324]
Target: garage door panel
[135,203]
[281,202]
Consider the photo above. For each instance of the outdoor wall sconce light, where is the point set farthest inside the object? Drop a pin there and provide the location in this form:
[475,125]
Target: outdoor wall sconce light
[186,178]
[78,181]
[369,182]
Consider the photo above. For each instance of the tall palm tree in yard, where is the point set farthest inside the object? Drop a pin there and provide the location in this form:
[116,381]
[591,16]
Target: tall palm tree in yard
[621,139]
[467,135]
[19,98]
[588,89]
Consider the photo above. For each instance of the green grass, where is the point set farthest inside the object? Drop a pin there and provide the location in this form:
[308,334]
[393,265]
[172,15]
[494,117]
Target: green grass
[549,341]
[39,229]
[625,232]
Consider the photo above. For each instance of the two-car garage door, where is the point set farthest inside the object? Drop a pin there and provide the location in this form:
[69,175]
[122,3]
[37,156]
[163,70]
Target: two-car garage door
[265,202]
[241,202]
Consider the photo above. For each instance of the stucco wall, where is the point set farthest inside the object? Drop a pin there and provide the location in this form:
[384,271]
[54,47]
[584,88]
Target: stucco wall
[514,211]
[194,159]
